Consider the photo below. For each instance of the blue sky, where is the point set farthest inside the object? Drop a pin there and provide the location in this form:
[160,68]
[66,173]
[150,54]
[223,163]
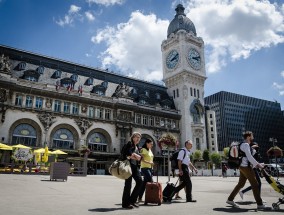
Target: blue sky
[244,39]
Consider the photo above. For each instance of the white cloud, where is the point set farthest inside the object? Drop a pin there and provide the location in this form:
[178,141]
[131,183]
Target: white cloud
[69,18]
[279,87]
[106,2]
[134,47]
[231,29]
[282,74]
[235,29]
[89,16]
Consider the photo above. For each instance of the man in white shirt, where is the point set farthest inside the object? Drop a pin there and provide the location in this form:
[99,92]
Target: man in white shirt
[183,165]
[247,173]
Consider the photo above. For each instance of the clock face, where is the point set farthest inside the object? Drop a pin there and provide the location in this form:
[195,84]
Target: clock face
[172,59]
[194,59]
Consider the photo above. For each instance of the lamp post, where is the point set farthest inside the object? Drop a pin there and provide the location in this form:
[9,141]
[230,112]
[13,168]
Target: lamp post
[274,140]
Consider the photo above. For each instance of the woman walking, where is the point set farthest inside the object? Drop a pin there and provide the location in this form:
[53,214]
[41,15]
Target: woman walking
[146,165]
[130,151]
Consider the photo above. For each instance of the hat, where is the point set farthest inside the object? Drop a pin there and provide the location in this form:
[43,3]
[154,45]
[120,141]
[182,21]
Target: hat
[135,134]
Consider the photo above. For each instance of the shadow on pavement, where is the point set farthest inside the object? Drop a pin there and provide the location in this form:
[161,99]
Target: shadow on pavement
[232,210]
[105,209]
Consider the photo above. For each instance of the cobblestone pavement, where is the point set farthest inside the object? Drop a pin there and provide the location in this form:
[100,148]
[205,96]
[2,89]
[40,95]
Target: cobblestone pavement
[37,195]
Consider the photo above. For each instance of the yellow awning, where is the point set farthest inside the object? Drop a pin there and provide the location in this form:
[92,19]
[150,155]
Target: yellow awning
[20,146]
[58,152]
[5,147]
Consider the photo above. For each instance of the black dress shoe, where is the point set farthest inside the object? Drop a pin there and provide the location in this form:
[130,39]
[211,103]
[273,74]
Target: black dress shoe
[128,207]
[134,205]
[191,200]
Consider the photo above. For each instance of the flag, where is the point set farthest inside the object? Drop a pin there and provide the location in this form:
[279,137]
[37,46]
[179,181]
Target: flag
[80,89]
[69,88]
[57,85]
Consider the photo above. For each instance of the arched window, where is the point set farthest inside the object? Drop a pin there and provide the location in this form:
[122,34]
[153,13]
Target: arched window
[63,139]
[89,81]
[74,77]
[40,69]
[21,66]
[97,142]
[56,74]
[24,134]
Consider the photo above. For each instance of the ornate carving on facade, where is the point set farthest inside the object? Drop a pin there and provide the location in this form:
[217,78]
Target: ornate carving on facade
[84,108]
[5,64]
[3,109]
[124,116]
[185,92]
[197,110]
[83,124]
[122,90]
[46,119]
[3,95]
[48,103]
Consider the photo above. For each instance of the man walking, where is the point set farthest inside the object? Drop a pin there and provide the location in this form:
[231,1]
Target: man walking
[184,173]
[247,173]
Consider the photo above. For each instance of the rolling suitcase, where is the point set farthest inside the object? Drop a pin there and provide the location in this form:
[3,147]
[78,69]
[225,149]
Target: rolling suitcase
[153,192]
[168,192]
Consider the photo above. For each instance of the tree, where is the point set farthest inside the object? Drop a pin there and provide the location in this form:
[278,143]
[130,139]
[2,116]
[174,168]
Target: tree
[216,159]
[206,156]
[226,152]
[197,155]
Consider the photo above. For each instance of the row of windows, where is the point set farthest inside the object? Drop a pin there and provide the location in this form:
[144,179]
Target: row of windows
[193,92]
[151,121]
[92,112]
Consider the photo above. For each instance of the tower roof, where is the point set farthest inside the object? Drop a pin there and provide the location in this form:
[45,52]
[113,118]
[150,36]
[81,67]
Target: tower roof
[181,22]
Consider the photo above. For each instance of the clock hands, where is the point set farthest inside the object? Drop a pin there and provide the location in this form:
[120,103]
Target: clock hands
[196,58]
[174,58]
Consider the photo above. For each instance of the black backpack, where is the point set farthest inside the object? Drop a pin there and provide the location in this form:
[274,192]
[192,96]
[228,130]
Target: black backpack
[235,155]
[174,160]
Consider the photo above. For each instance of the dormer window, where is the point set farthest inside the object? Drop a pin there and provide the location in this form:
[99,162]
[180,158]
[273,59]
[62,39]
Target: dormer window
[56,74]
[40,70]
[100,93]
[166,106]
[104,84]
[142,101]
[31,75]
[158,96]
[21,66]
[146,93]
[89,81]
[134,91]
[74,77]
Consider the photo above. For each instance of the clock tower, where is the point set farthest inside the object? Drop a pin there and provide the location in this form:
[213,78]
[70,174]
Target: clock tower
[184,76]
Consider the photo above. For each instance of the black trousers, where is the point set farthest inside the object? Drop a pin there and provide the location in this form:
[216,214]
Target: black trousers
[128,197]
[186,182]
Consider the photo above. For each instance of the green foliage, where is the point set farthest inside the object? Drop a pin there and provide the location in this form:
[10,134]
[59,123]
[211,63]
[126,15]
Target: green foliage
[197,155]
[206,155]
[216,159]
[226,152]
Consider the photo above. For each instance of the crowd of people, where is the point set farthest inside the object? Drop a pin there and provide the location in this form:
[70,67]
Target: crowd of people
[141,161]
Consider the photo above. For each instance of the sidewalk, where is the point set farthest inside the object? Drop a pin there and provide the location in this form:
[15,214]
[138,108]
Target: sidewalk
[37,195]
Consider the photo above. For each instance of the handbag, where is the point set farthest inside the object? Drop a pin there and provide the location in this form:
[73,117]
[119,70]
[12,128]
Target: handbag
[120,169]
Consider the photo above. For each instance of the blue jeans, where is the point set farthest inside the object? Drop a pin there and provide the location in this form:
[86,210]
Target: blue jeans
[147,173]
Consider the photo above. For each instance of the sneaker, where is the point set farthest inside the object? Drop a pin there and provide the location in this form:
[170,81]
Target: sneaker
[263,201]
[263,207]
[178,197]
[134,205]
[241,194]
[232,203]
[128,207]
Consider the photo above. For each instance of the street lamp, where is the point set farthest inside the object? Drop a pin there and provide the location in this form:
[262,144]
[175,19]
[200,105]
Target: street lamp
[274,140]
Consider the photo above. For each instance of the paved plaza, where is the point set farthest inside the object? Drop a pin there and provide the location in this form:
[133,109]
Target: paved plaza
[37,195]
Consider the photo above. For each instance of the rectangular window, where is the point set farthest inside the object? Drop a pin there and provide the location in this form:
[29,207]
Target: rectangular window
[19,100]
[29,101]
[99,113]
[39,102]
[177,93]
[211,116]
[91,112]
[191,91]
[138,118]
[145,120]
[212,135]
[162,122]
[57,106]
[174,93]
[173,124]
[107,114]
[66,107]
[194,91]
[211,128]
[75,109]
[197,93]
[211,122]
